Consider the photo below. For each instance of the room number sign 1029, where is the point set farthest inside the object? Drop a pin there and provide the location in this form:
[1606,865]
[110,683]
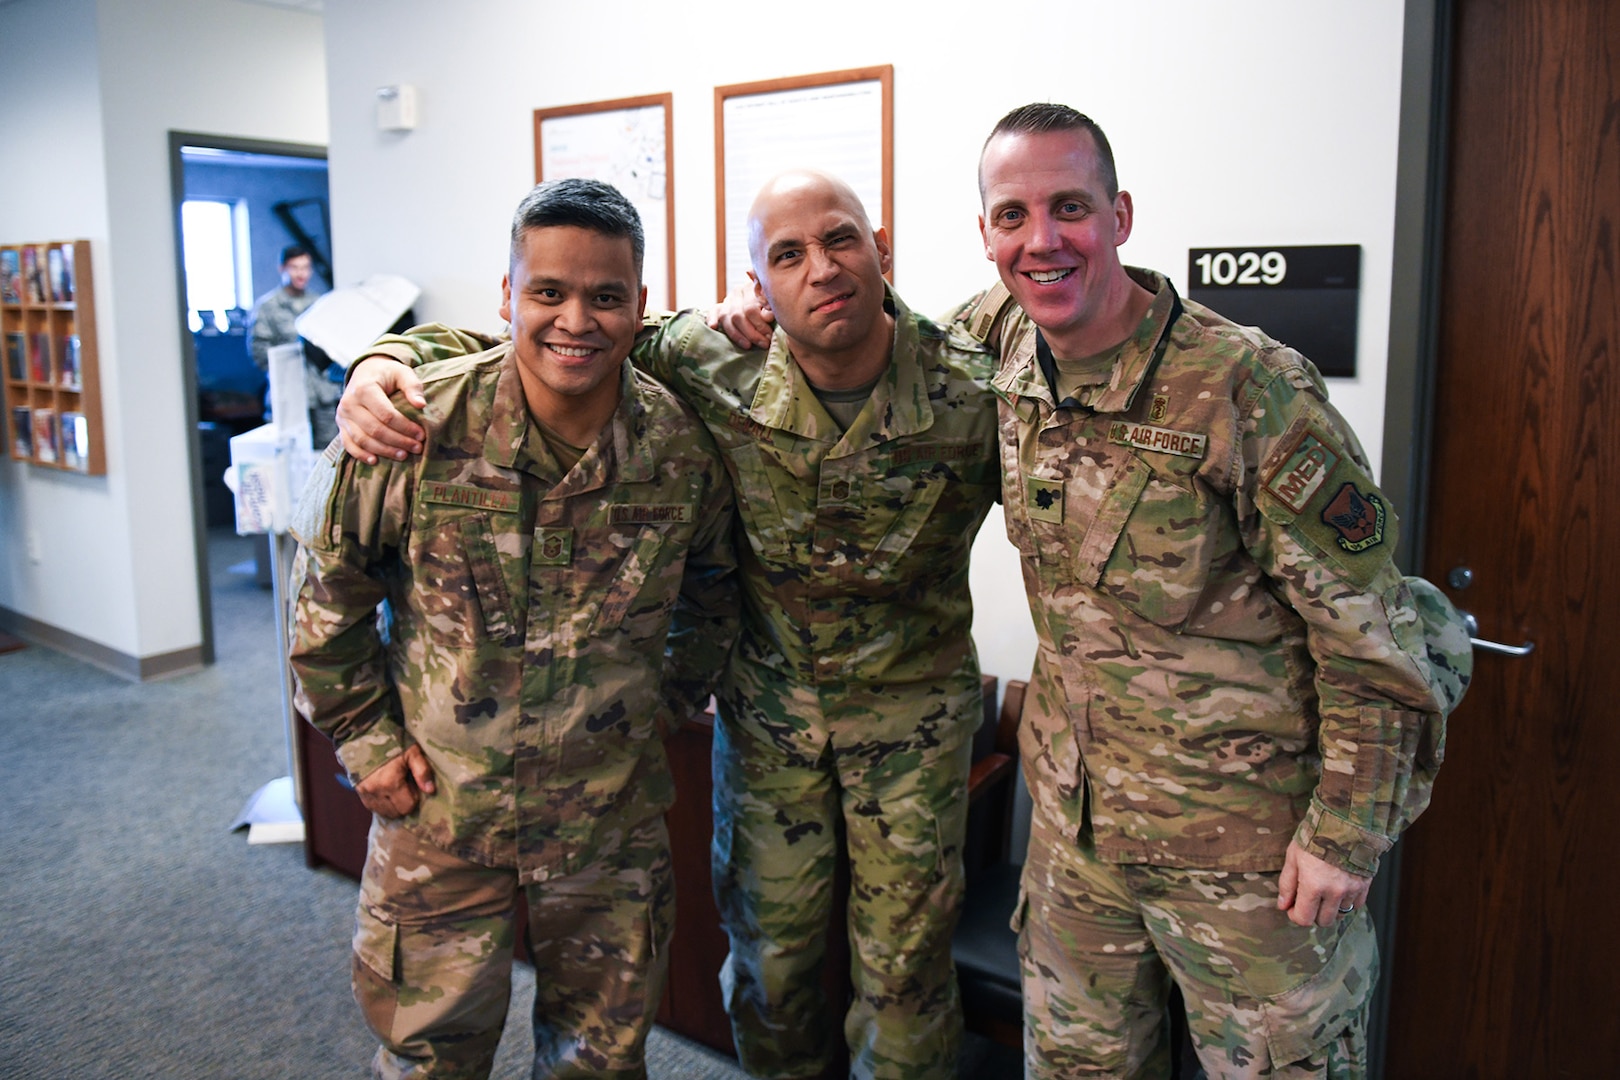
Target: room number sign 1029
[1241,268]
[1305,295]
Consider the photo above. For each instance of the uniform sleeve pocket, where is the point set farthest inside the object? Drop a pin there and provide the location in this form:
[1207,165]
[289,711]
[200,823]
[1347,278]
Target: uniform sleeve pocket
[312,521]
[375,943]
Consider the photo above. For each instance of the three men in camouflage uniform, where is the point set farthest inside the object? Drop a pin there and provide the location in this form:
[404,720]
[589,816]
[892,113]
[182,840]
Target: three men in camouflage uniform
[561,587]
[1232,714]
[863,451]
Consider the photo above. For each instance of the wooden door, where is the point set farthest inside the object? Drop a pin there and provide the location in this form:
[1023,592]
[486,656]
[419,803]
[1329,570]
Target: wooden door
[1507,949]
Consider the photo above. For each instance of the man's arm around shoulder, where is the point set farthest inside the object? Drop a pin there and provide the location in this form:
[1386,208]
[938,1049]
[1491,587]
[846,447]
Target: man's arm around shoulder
[348,523]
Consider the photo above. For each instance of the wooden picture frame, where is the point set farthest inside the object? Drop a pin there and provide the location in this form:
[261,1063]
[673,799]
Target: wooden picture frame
[844,124]
[616,141]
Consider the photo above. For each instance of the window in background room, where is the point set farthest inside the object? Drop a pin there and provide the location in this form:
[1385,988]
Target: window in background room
[216,253]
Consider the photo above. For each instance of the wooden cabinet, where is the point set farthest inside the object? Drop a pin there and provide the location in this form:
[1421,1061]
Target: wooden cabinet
[48,331]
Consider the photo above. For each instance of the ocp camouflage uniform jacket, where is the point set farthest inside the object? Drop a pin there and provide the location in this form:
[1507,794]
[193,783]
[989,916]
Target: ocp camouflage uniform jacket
[531,652]
[855,562]
[1228,657]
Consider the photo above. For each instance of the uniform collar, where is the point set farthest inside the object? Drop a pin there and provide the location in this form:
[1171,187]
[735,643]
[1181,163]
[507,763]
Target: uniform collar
[623,441]
[899,404]
[1021,374]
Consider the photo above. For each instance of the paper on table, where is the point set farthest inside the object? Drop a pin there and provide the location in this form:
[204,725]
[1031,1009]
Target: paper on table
[344,321]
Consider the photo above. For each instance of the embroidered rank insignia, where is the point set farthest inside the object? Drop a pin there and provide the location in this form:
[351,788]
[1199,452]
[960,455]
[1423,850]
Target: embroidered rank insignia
[553,547]
[1045,501]
[1303,472]
[650,513]
[505,502]
[1358,518]
[1162,440]
[1159,409]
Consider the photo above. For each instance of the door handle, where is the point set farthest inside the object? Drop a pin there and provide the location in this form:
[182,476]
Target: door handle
[1472,625]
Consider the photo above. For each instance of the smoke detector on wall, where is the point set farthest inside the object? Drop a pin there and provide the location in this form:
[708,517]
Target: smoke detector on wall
[396,108]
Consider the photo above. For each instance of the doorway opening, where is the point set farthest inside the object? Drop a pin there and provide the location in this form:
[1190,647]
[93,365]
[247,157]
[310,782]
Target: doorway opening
[238,203]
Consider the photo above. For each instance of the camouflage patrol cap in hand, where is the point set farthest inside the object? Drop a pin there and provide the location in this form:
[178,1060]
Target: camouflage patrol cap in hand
[1445,637]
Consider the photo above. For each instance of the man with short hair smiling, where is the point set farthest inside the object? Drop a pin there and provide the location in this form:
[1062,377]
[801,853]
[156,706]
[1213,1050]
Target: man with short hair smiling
[561,587]
[272,319]
[863,470]
[1233,713]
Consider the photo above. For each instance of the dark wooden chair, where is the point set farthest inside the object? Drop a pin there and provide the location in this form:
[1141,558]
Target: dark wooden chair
[985,948]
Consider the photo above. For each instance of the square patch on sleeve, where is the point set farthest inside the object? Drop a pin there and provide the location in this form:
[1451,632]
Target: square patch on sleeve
[1303,472]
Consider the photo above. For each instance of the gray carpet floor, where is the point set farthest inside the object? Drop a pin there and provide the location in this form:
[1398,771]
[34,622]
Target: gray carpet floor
[141,938]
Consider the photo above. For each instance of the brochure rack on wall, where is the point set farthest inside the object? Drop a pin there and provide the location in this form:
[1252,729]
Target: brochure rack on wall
[48,331]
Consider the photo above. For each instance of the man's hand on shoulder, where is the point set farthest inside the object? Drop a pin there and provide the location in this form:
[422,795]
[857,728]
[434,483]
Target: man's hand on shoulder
[369,423]
[394,790]
[743,319]
[1313,890]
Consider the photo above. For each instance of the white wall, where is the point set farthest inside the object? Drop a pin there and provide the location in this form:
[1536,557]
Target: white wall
[55,188]
[108,80]
[215,66]
[1239,122]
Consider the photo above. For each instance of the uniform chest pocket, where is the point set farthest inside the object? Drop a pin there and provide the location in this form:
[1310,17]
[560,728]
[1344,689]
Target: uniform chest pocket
[762,514]
[909,521]
[460,598]
[1163,528]
[638,567]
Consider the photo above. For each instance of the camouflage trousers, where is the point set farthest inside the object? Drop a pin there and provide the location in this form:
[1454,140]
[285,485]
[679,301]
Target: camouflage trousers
[433,957]
[1099,943]
[902,809]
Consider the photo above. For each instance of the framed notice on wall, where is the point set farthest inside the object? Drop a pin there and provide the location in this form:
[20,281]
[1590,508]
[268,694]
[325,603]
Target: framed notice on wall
[840,122]
[628,143]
